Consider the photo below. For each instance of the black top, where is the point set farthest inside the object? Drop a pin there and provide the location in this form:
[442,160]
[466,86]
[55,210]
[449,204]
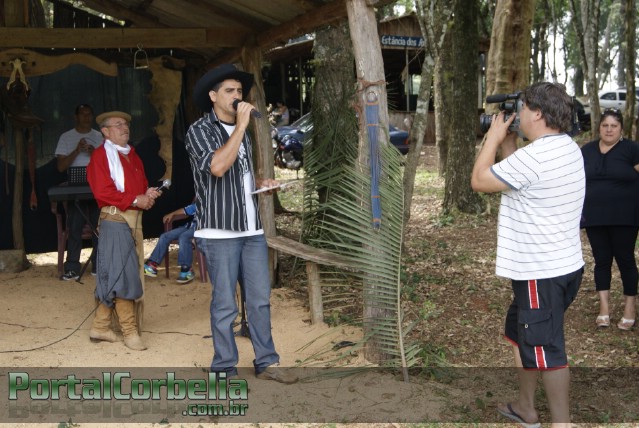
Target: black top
[612,185]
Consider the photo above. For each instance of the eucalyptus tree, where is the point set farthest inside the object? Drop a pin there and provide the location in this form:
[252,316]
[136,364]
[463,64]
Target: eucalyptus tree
[433,17]
[630,32]
[610,40]
[586,23]
[508,66]
[456,106]
[542,29]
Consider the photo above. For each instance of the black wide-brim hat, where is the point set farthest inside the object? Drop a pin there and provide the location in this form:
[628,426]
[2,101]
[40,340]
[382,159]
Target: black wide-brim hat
[219,74]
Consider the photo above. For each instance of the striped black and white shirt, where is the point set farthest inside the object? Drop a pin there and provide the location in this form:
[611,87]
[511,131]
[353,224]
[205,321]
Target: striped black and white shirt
[538,233]
[225,207]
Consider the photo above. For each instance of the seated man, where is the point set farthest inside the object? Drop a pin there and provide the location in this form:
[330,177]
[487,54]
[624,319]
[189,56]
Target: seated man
[184,235]
[74,149]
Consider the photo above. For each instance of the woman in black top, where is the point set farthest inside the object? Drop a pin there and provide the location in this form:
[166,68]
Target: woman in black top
[611,213]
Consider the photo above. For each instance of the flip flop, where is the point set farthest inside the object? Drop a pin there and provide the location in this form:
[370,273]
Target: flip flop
[603,321]
[511,414]
[626,324]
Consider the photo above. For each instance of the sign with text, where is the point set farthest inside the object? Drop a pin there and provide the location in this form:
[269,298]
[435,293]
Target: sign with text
[402,41]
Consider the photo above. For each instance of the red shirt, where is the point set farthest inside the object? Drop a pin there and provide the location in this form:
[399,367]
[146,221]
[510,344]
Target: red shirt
[103,186]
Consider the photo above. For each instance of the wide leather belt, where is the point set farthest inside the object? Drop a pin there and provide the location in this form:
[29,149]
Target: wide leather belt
[111,209]
[107,213]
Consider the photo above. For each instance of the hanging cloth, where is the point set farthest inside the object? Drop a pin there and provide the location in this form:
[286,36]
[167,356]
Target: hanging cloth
[372,128]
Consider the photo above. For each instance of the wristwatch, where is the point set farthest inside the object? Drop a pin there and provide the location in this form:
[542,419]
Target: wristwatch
[135,202]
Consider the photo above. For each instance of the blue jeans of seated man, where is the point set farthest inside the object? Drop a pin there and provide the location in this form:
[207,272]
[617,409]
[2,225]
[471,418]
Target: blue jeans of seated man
[184,235]
[226,260]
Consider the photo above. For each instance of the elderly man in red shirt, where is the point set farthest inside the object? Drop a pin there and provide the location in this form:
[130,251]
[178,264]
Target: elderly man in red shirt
[116,176]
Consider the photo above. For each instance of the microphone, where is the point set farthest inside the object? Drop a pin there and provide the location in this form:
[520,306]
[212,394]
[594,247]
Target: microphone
[256,114]
[165,185]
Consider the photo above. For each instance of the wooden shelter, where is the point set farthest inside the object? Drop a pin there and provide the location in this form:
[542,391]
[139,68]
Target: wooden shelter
[176,40]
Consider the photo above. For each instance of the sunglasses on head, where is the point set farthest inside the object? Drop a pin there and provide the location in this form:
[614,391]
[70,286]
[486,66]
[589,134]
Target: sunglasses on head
[611,112]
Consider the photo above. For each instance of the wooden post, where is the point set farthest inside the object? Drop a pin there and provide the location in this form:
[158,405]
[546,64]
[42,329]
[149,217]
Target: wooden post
[369,66]
[166,88]
[18,187]
[14,13]
[264,168]
[315,303]
[15,260]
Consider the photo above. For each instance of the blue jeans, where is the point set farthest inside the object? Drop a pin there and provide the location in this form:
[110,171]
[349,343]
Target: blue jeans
[184,236]
[226,260]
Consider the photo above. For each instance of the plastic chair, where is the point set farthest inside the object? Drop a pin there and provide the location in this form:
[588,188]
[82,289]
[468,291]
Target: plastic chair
[61,220]
[201,259]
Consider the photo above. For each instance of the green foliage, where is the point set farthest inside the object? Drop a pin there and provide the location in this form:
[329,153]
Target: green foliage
[444,219]
[433,363]
[338,216]
[336,318]
[429,310]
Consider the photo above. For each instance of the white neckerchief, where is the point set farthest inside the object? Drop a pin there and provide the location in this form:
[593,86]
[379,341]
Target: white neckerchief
[115,166]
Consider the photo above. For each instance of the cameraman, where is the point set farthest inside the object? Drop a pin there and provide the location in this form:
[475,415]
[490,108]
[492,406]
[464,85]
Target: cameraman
[538,240]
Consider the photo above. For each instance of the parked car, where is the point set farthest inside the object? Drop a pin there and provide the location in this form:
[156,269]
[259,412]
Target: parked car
[615,98]
[304,125]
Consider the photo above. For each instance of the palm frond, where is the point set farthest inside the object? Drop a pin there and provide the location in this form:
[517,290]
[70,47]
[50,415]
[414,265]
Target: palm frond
[338,217]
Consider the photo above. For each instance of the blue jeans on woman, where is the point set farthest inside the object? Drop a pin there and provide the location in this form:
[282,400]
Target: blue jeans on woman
[227,260]
[184,236]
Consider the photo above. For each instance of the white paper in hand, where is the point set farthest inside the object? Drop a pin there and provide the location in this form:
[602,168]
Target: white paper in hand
[279,186]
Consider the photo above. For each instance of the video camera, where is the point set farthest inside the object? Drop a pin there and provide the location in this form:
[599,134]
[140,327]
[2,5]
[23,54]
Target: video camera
[510,103]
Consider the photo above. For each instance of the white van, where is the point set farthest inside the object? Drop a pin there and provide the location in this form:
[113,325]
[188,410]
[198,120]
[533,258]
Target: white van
[615,98]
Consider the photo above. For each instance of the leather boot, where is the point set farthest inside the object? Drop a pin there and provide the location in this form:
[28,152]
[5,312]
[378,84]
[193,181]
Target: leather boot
[100,329]
[126,314]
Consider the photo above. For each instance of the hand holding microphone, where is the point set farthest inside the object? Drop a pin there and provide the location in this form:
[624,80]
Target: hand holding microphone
[152,193]
[256,114]
[157,191]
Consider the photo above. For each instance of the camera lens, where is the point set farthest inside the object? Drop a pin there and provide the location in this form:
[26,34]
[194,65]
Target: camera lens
[485,121]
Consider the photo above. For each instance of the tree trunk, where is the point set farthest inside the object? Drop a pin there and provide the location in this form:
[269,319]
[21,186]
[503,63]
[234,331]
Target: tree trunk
[586,24]
[630,29]
[332,100]
[433,17]
[509,55]
[604,67]
[540,42]
[442,86]
[461,117]
[578,81]
[621,63]
[369,67]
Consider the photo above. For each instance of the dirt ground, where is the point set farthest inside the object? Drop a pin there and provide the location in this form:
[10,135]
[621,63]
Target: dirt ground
[449,290]
[45,325]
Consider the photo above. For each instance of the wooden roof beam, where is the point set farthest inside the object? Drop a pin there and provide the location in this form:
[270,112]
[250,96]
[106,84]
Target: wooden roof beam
[303,24]
[113,38]
[123,14]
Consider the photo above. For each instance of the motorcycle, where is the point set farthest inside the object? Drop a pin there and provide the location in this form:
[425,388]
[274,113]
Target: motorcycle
[288,152]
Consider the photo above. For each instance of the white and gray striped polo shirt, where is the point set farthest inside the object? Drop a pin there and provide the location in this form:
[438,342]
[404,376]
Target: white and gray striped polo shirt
[538,233]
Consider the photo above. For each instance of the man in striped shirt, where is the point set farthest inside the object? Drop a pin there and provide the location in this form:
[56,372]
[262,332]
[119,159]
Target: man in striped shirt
[538,240]
[229,231]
